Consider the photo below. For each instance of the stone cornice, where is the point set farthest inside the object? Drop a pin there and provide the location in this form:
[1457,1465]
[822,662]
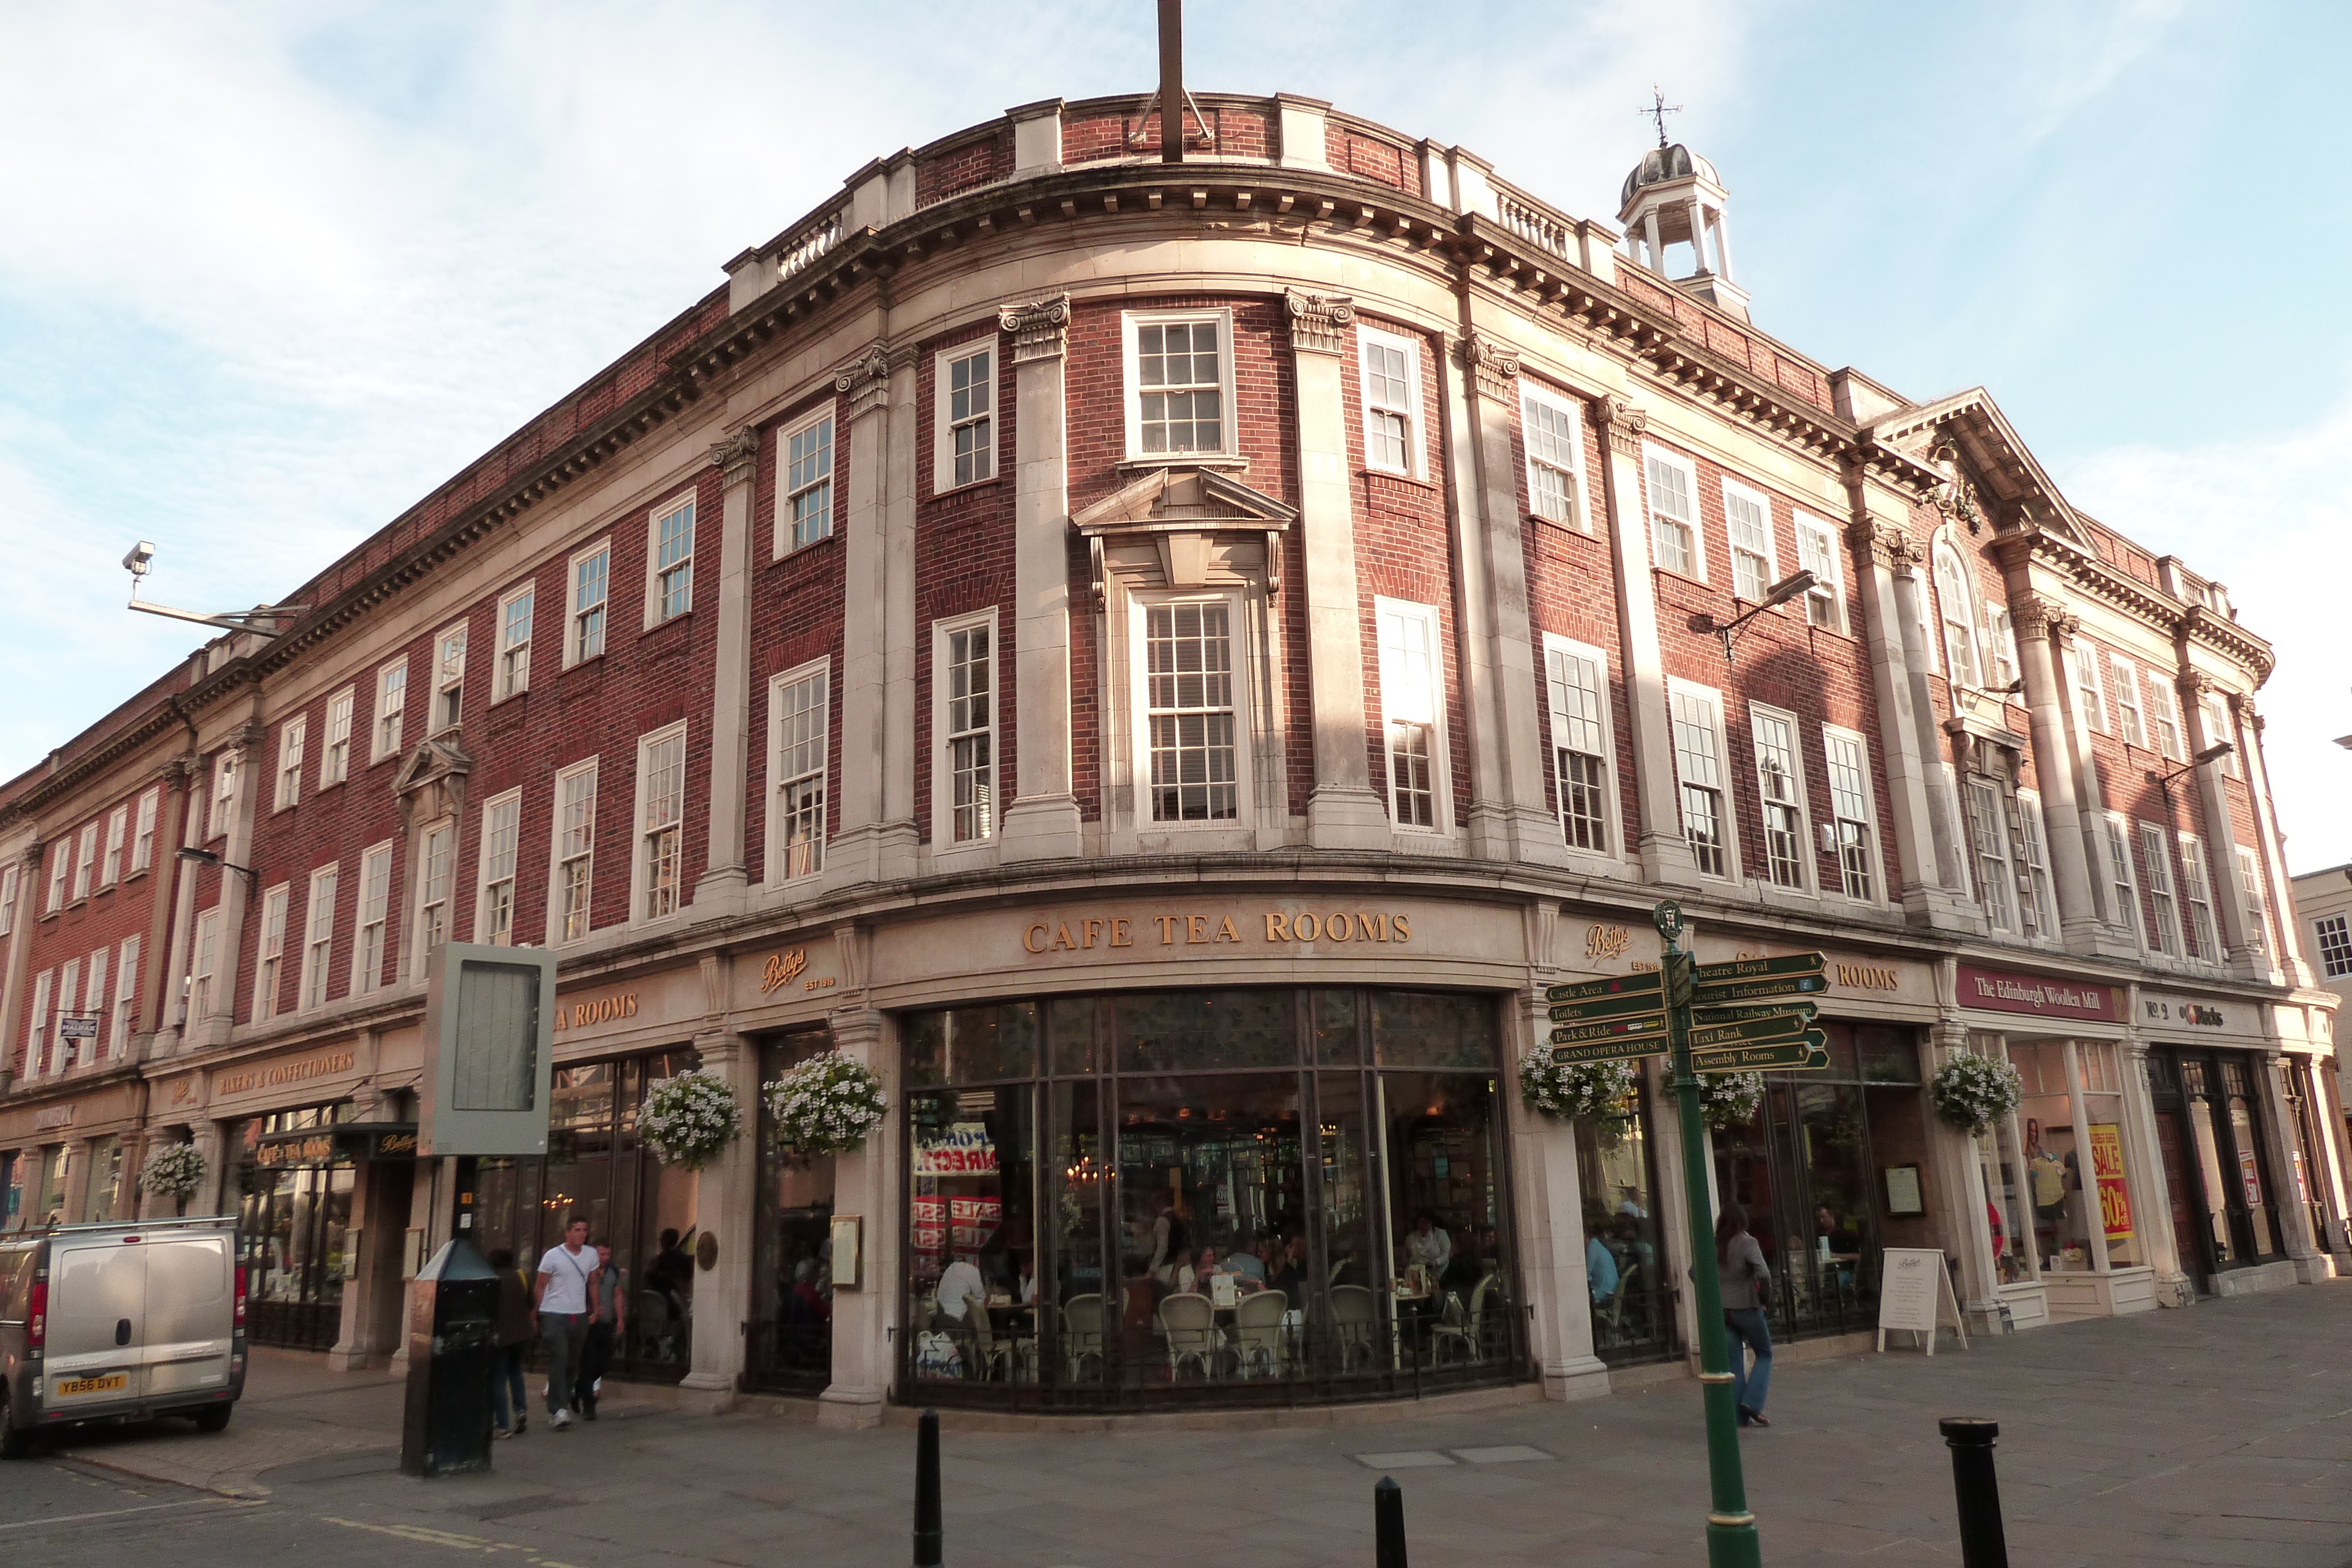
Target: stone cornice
[2153,607]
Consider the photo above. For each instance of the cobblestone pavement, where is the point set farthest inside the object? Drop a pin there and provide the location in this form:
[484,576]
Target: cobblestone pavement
[2218,1435]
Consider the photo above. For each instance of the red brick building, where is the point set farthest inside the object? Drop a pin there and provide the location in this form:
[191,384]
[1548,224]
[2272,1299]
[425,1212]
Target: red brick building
[1163,663]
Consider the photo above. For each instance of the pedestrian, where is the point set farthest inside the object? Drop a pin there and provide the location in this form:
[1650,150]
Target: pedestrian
[1747,1287]
[514,1339]
[567,1278]
[606,1325]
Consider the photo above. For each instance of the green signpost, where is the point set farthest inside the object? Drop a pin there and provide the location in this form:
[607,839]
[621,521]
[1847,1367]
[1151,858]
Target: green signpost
[1616,985]
[1726,1012]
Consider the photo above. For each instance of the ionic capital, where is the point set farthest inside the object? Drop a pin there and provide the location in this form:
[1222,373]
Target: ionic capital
[866,382]
[1494,366]
[1319,322]
[1623,423]
[1041,331]
[737,457]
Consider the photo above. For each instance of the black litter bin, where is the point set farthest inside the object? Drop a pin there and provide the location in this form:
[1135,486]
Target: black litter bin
[452,1353]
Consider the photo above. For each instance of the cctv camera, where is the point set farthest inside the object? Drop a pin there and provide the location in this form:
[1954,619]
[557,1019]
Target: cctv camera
[136,561]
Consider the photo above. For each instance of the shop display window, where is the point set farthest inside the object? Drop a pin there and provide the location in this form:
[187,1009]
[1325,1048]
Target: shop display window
[2073,1150]
[790,1328]
[1206,1196]
[1632,1298]
[294,1212]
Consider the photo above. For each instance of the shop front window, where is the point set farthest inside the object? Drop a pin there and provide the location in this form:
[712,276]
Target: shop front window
[2076,1171]
[595,1169]
[1632,1301]
[295,1216]
[790,1331]
[105,1180]
[1832,1170]
[1232,1194]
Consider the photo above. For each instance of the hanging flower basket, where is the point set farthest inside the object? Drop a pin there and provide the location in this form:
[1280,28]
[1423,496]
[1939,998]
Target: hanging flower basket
[1975,1092]
[1590,1092]
[689,1120]
[1729,1099]
[829,1104]
[172,1170]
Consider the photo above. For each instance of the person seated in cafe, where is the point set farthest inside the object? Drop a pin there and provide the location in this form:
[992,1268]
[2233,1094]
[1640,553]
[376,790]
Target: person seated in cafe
[1429,1244]
[961,1292]
[1193,1278]
[1245,1262]
[1600,1266]
[1282,1272]
[671,1272]
[1633,1249]
[1027,1274]
[1842,1237]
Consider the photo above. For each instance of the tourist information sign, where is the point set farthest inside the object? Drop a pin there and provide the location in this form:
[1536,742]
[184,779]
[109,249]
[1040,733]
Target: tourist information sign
[1799,1054]
[1619,1049]
[1616,985]
[1749,990]
[1609,1008]
[1771,1025]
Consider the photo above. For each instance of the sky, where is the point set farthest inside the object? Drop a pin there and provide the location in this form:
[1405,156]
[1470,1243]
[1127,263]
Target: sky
[269,273]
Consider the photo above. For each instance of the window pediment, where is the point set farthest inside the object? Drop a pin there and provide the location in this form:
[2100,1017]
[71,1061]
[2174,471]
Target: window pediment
[1180,515]
[431,782]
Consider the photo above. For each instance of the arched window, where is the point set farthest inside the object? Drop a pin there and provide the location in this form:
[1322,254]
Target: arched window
[1956,606]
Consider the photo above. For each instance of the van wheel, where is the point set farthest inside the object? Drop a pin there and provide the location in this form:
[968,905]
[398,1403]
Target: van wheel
[214,1418]
[16,1442]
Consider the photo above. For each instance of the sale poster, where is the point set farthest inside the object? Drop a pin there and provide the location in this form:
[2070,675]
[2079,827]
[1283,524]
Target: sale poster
[2115,1196]
[963,1149]
[972,1220]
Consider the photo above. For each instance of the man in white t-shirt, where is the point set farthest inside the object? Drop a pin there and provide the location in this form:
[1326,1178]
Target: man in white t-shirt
[567,1282]
[961,1289]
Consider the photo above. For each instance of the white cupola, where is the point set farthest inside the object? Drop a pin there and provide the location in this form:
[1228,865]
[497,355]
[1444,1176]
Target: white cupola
[1673,197]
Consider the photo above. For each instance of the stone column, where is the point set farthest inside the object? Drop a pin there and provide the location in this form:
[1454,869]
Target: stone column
[854,855]
[2053,771]
[2144,1171]
[2311,1263]
[20,952]
[1550,1224]
[902,748]
[1959,1182]
[1508,819]
[1664,852]
[722,888]
[236,889]
[1879,550]
[2292,962]
[1344,811]
[1698,235]
[865,1184]
[1041,822]
[2246,960]
[724,1194]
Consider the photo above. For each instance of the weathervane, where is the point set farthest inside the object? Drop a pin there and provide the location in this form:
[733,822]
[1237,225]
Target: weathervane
[1658,111]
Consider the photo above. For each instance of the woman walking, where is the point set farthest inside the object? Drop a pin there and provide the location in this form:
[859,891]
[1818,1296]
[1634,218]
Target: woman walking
[1747,1287]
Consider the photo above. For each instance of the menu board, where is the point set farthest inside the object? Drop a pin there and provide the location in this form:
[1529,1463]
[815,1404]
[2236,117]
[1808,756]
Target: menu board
[1915,1289]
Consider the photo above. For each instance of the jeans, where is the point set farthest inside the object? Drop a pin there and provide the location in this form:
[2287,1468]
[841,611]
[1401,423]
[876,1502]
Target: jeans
[1744,1330]
[563,1335]
[596,1355]
[506,1385]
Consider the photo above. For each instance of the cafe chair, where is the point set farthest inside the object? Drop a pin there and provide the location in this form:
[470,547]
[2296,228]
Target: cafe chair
[1188,1322]
[982,1350]
[1354,1315]
[1610,1314]
[1257,1332]
[1459,1327]
[1082,1334]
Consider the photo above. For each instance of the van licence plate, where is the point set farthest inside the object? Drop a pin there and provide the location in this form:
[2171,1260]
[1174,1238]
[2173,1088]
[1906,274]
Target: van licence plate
[105,1384]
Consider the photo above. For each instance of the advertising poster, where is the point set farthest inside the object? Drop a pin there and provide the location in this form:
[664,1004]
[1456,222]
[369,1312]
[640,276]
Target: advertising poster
[962,1149]
[928,1218]
[971,1221]
[2115,1198]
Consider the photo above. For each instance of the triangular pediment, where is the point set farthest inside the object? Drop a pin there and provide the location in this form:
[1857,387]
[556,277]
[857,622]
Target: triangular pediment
[1967,438]
[1183,499]
[431,780]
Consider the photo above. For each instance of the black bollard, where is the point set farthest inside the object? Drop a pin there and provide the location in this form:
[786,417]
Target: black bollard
[1388,1524]
[1971,1438]
[929,1535]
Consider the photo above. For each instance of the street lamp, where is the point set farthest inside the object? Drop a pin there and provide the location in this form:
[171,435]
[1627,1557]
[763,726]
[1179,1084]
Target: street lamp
[136,562]
[1779,593]
[2213,753]
[207,857]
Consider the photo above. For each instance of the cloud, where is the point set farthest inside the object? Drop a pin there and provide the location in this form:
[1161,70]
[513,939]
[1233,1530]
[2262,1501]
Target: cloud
[2271,517]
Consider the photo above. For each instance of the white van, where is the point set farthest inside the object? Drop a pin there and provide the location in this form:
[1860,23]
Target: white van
[119,1321]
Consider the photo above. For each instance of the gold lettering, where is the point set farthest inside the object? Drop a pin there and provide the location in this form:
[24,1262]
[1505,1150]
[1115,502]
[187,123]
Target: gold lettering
[1118,937]
[1403,926]
[1062,939]
[1194,925]
[1371,927]
[1093,930]
[1037,931]
[1277,926]
[1336,927]
[1306,926]
[1166,921]
[629,1006]
[1225,932]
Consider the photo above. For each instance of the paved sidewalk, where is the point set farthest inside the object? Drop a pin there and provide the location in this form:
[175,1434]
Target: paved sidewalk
[2218,1435]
